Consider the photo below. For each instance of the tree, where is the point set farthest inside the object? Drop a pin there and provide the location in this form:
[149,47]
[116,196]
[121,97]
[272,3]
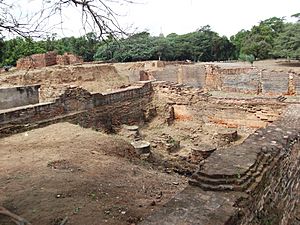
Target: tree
[247,58]
[259,41]
[163,49]
[16,48]
[287,44]
[297,15]
[137,47]
[107,49]
[238,41]
[97,15]
[2,51]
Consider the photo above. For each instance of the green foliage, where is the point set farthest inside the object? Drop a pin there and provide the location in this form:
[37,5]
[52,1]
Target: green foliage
[13,49]
[247,58]
[287,44]
[259,41]
[16,48]
[271,38]
[202,45]
[297,15]
[85,46]
[238,41]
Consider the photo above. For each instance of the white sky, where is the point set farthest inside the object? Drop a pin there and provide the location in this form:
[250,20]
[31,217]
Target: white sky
[226,17]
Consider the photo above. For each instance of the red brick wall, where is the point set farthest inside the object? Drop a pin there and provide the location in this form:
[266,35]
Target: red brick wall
[47,59]
[37,61]
[62,60]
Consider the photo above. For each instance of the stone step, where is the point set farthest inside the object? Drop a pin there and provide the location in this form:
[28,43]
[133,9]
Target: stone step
[222,187]
[253,167]
[237,184]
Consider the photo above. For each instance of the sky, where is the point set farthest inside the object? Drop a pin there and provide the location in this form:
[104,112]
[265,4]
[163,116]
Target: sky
[226,17]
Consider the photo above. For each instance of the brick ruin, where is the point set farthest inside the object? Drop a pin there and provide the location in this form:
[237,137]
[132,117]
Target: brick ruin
[248,80]
[251,80]
[78,106]
[47,59]
[254,182]
[68,59]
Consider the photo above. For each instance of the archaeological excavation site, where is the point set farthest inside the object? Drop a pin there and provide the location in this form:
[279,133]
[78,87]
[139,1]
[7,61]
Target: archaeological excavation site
[149,143]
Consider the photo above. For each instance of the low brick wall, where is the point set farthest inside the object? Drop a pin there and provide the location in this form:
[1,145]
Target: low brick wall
[76,105]
[247,80]
[55,80]
[192,75]
[18,96]
[251,80]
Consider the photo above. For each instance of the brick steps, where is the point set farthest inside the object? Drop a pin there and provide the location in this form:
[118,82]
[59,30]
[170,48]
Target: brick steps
[237,182]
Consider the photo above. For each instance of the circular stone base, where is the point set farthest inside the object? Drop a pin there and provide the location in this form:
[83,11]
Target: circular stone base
[141,147]
[131,128]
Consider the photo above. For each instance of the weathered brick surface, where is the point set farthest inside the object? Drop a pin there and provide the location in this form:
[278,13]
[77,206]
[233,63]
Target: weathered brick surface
[37,61]
[68,59]
[54,81]
[73,59]
[47,59]
[99,111]
[183,74]
[275,82]
[213,78]
[275,199]
[248,80]
[251,80]
[62,60]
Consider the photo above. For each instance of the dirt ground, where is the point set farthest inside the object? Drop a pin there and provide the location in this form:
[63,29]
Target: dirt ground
[270,64]
[64,170]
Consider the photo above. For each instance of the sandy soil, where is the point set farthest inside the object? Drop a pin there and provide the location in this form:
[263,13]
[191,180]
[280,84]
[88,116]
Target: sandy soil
[65,170]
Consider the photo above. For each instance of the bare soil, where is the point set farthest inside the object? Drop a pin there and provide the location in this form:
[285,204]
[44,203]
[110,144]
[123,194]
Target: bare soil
[64,170]
[270,64]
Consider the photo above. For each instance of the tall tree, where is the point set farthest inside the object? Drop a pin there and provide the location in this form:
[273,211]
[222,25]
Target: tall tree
[259,41]
[287,44]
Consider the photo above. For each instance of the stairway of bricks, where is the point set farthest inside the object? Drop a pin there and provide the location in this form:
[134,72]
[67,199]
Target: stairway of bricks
[241,168]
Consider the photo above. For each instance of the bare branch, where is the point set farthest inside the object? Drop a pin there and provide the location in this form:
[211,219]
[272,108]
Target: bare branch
[96,15]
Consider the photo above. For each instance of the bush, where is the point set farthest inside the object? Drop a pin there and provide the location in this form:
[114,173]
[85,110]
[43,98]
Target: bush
[247,58]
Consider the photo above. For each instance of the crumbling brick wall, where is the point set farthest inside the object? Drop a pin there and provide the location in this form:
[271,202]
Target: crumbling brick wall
[47,59]
[74,59]
[37,61]
[251,80]
[76,105]
[62,60]
[68,59]
[213,78]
